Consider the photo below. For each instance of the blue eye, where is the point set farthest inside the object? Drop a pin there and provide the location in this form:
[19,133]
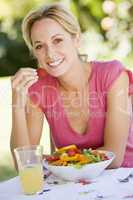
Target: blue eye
[38,47]
[58,40]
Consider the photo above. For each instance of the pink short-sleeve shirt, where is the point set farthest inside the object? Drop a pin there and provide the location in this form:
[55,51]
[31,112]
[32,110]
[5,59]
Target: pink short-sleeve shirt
[46,95]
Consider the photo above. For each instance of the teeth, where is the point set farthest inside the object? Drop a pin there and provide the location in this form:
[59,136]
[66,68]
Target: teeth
[54,64]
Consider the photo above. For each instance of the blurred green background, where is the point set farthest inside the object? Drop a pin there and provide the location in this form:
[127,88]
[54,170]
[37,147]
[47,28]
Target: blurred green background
[107,33]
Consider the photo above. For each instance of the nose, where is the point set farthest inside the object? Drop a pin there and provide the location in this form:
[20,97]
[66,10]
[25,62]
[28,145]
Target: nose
[50,55]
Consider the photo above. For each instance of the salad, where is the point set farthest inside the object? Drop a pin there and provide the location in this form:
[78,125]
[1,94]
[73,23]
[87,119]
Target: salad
[73,156]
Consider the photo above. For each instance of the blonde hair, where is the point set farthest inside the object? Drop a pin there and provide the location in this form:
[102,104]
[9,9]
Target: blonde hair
[54,11]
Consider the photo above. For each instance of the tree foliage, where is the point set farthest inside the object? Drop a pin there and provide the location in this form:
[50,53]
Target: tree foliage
[111,20]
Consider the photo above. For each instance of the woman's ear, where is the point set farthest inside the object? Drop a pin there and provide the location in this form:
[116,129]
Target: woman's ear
[77,40]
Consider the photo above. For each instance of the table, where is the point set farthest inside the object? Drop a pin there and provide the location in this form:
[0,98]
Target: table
[106,186]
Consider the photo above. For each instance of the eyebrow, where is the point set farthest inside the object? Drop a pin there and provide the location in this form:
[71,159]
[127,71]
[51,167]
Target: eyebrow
[58,34]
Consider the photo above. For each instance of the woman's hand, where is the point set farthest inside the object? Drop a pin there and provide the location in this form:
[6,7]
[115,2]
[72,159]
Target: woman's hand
[20,83]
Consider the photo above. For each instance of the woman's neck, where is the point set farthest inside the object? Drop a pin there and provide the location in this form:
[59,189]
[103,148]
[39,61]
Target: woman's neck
[76,78]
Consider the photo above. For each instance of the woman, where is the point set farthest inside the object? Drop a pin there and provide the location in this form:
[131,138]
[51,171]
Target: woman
[85,103]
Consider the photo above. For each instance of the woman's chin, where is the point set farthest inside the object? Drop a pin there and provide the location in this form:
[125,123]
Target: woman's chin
[58,73]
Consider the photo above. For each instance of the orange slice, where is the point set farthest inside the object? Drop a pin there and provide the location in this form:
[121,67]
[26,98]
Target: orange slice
[63,149]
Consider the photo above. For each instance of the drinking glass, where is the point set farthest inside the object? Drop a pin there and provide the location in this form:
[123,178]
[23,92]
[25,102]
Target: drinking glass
[29,161]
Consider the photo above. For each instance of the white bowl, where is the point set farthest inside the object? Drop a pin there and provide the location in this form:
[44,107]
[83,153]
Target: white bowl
[88,171]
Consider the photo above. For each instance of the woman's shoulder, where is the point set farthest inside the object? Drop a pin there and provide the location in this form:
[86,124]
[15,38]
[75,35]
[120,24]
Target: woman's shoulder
[107,65]
[106,72]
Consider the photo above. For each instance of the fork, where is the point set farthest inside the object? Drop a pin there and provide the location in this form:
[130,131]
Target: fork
[126,179]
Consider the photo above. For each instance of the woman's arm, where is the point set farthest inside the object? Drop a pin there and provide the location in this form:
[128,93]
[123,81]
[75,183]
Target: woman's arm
[34,118]
[117,119]
[26,126]
[27,120]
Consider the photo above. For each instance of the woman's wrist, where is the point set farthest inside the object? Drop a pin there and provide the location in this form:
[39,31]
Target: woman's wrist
[18,100]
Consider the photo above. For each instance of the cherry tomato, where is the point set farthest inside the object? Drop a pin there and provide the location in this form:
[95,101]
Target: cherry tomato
[79,151]
[41,72]
[105,157]
[52,158]
[84,182]
[71,152]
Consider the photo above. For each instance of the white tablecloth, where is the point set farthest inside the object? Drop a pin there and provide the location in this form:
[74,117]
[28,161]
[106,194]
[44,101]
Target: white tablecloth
[106,186]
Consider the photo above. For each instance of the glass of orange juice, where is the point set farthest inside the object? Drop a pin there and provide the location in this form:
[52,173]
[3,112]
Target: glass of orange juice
[29,161]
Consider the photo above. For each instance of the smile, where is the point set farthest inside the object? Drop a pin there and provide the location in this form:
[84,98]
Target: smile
[55,63]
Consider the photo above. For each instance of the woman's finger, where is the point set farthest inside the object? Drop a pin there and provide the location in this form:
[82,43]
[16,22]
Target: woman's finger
[24,82]
[29,84]
[22,75]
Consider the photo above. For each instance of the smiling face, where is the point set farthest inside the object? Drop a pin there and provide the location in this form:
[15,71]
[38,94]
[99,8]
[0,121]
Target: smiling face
[54,48]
